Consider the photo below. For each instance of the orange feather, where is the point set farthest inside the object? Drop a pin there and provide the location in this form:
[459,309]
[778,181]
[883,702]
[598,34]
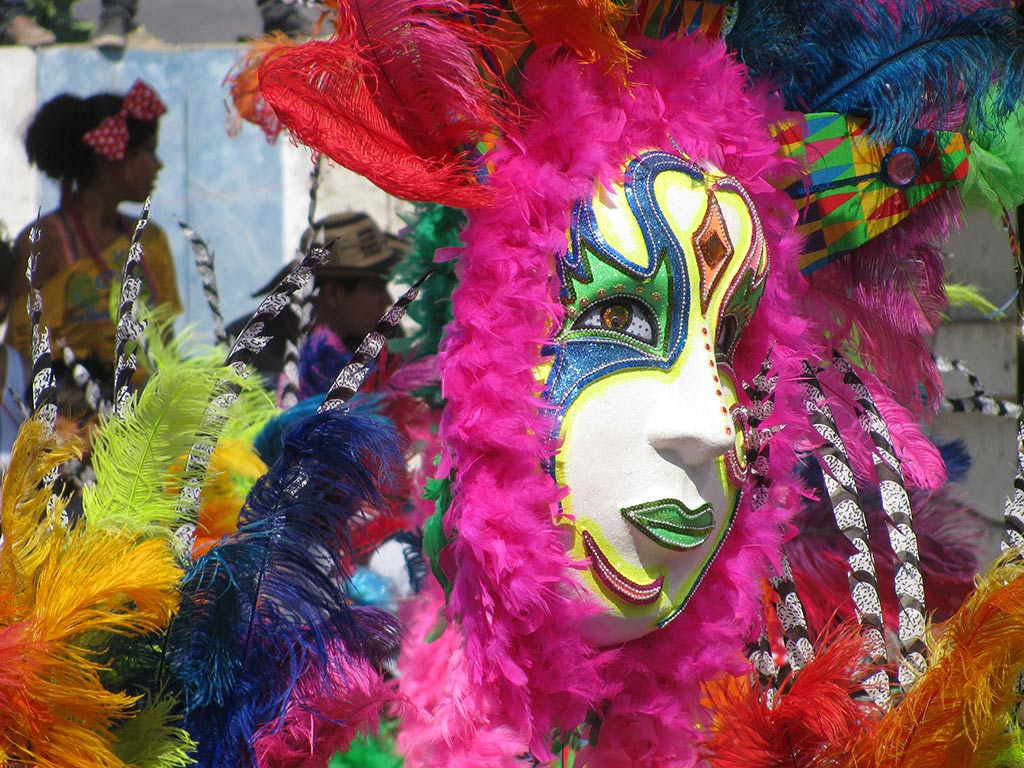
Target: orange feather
[587,27]
[814,713]
[234,468]
[958,710]
[62,591]
[244,82]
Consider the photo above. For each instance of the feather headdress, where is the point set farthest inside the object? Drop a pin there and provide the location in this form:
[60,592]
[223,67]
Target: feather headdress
[962,711]
[271,595]
[495,429]
[266,635]
[556,118]
[815,715]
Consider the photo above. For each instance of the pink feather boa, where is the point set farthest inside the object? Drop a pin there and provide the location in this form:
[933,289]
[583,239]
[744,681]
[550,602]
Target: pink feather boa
[514,666]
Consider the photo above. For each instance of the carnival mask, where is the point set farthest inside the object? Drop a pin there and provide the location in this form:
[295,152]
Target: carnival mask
[661,275]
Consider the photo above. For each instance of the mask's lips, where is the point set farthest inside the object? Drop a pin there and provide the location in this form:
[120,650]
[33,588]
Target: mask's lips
[671,524]
[625,588]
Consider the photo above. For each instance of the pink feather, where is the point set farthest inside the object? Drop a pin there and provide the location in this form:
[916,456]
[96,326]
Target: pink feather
[324,718]
[521,669]
[891,291]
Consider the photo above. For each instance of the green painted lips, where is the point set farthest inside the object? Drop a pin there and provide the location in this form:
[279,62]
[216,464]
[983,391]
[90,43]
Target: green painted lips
[671,524]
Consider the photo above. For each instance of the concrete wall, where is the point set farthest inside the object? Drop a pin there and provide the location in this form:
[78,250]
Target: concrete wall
[980,255]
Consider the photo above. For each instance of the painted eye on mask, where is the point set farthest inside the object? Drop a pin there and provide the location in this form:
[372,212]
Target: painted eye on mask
[620,315]
[727,337]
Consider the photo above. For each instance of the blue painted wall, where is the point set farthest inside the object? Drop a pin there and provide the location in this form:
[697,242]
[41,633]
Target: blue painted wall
[228,188]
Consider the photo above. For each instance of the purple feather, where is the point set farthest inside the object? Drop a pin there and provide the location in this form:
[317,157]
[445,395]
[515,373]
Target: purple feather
[267,603]
[949,534]
[892,292]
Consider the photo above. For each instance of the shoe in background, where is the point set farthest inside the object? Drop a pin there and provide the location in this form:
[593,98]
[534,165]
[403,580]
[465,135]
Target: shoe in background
[111,32]
[23,30]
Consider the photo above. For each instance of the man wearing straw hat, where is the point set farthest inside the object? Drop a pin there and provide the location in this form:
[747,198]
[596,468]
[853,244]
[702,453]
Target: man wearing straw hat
[351,286]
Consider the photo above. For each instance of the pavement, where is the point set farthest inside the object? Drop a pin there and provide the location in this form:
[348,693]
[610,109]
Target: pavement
[190,21]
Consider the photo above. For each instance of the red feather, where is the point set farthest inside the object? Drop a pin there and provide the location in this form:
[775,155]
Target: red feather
[773,623]
[814,715]
[398,95]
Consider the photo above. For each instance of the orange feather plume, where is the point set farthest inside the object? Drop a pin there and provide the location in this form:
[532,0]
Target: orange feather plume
[62,590]
[244,85]
[406,90]
[586,27]
[234,468]
[814,713]
[957,712]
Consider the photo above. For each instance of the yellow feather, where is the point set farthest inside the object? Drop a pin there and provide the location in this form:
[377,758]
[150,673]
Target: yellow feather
[25,498]
[107,580]
[62,592]
[234,469]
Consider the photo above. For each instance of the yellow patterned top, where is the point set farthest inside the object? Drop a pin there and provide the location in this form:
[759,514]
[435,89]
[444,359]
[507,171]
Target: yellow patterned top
[78,303]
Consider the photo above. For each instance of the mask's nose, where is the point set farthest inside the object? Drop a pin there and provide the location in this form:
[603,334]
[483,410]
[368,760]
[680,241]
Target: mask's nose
[691,416]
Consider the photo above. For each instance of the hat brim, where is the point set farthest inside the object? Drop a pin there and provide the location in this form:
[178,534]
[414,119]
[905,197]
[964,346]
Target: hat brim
[277,278]
[377,269]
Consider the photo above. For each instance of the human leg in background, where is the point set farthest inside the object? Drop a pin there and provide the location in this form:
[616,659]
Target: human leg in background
[117,17]
[17,27]
[285,16]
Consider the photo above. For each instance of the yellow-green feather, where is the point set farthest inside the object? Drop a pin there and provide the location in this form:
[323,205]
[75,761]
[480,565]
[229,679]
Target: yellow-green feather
[137,460]
[965,295]
[153,738]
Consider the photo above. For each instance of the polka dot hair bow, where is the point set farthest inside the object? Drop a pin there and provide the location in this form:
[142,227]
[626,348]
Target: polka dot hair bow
[110,138]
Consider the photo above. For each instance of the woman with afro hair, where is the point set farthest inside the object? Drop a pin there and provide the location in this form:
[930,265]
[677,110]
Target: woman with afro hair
[102,151]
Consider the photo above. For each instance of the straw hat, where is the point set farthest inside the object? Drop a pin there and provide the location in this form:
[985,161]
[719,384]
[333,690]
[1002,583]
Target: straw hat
[357,248]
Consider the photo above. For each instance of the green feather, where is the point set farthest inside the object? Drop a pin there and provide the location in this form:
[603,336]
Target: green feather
[1007,749]
[150,739]
[431,227]
[995,178]
[137,459]
[370,751]
[162,345]
[254,407]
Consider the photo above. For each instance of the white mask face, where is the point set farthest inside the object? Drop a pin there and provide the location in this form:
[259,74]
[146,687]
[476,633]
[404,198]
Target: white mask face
[661,276]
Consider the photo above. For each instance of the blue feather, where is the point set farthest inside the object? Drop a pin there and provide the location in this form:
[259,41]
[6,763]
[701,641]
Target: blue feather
[269,443]
[765,34]
[956,456]
[268,602]
[923,64]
